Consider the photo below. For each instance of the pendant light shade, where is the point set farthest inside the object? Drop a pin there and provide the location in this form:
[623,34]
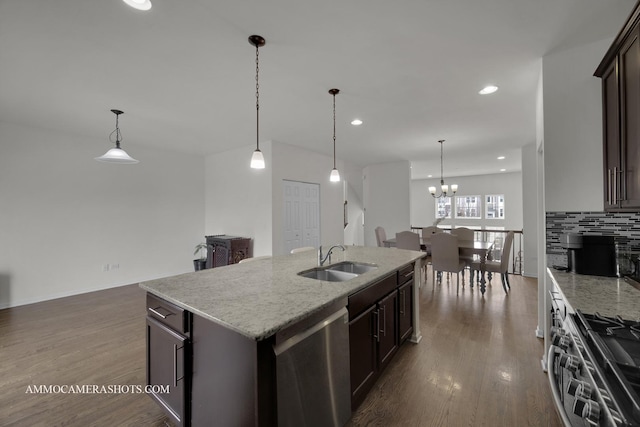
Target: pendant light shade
[257,159]
[117,154]
[139,4]
[335,175]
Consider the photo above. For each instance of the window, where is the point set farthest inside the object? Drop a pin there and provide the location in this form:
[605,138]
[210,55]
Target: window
[468,207]
[443,207]
[495,206]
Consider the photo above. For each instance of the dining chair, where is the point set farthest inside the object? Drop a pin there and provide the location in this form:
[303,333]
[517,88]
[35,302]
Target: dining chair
[302,249]
[466,255]
[445,256]
[427,232]
[501,266]
[243,260]
[381,236]
[410,240]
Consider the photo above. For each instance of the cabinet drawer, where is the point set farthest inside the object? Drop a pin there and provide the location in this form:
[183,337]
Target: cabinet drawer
[168,313]
[405,274]
[364,298]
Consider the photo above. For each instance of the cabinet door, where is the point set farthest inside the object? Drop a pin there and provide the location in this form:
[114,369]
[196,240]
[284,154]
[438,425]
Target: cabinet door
[405,311]
[629,78]
[362,349]
[611,126]
[388,328]
[167,365]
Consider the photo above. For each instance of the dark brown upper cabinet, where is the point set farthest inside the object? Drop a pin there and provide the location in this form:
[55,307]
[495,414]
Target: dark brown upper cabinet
[620,74]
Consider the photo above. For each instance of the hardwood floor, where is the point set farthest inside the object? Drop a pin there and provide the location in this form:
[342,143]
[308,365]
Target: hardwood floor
[478,362]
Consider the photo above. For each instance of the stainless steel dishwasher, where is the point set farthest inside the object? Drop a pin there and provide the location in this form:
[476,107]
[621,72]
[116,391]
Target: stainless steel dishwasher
[313,375]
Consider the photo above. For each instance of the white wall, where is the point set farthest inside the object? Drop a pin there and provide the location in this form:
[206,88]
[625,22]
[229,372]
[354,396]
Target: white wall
[354,231]
[423,206]
[530,210]
[297,164]
[238,198]
[63,215]
[573,129]
[386,198]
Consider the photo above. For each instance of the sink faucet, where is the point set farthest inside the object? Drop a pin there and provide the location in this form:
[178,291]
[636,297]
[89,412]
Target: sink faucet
[321,259]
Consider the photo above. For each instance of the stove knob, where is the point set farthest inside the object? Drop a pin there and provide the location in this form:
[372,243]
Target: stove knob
[579,388]
[585,391]
[587,409]
[562,342]
[569,362]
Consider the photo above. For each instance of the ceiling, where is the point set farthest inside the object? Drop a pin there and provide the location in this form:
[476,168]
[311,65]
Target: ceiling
[184,73]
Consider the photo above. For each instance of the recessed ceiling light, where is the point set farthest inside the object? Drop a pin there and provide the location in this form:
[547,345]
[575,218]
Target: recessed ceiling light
[356,122]
[503,170]
[488,89]
[139,4]
[501,157]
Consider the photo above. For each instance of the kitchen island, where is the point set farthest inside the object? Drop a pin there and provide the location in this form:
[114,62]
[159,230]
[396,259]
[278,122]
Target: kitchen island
[231,325]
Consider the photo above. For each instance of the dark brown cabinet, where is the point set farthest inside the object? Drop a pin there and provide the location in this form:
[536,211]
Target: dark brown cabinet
[387,329]
[405,311]
[620,74]
[363,354]
[380,319]
[405,303]
[168,358]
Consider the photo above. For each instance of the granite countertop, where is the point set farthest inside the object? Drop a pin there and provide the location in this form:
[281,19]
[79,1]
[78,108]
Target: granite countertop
[608,296]
[259,298]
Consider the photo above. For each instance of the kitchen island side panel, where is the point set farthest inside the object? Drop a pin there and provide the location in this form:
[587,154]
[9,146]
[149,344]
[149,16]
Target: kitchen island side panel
[230,371]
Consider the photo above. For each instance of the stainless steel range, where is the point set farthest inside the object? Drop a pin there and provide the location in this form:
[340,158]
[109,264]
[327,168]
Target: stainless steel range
[594,370]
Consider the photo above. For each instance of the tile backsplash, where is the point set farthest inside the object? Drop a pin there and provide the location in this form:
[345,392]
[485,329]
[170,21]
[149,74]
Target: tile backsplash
[626,226]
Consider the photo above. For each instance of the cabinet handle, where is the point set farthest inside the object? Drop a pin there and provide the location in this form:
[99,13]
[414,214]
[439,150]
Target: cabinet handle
[623,185]
[175,365]
[404,301]
[157,313]
[615,185]
[402,298]
[376,335]
[609,200]
[384,321]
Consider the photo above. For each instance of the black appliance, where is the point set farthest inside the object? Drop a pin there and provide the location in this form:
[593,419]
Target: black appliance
[593,255]
[594,370]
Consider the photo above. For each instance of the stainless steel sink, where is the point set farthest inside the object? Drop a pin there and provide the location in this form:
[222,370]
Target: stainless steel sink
[340,272]
[328,275]
[352,267]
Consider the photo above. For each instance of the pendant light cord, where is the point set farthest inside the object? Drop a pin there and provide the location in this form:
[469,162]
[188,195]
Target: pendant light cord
[334,130]
[441,167]
[257,103]
[117,132]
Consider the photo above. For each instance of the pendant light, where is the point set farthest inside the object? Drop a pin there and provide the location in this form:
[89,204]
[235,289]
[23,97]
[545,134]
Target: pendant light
[139,4]
[257,159]
[335,175]
[117,154]
[444,188]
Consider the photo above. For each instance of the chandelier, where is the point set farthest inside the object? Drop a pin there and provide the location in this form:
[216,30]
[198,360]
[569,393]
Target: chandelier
[444,188]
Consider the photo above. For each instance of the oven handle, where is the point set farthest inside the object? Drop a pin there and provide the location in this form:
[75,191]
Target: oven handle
[553,351]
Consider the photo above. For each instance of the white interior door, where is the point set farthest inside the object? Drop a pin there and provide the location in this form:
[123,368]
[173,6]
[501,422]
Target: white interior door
[301,214]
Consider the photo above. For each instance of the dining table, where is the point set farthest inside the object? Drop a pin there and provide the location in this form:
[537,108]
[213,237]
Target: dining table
[475,247]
